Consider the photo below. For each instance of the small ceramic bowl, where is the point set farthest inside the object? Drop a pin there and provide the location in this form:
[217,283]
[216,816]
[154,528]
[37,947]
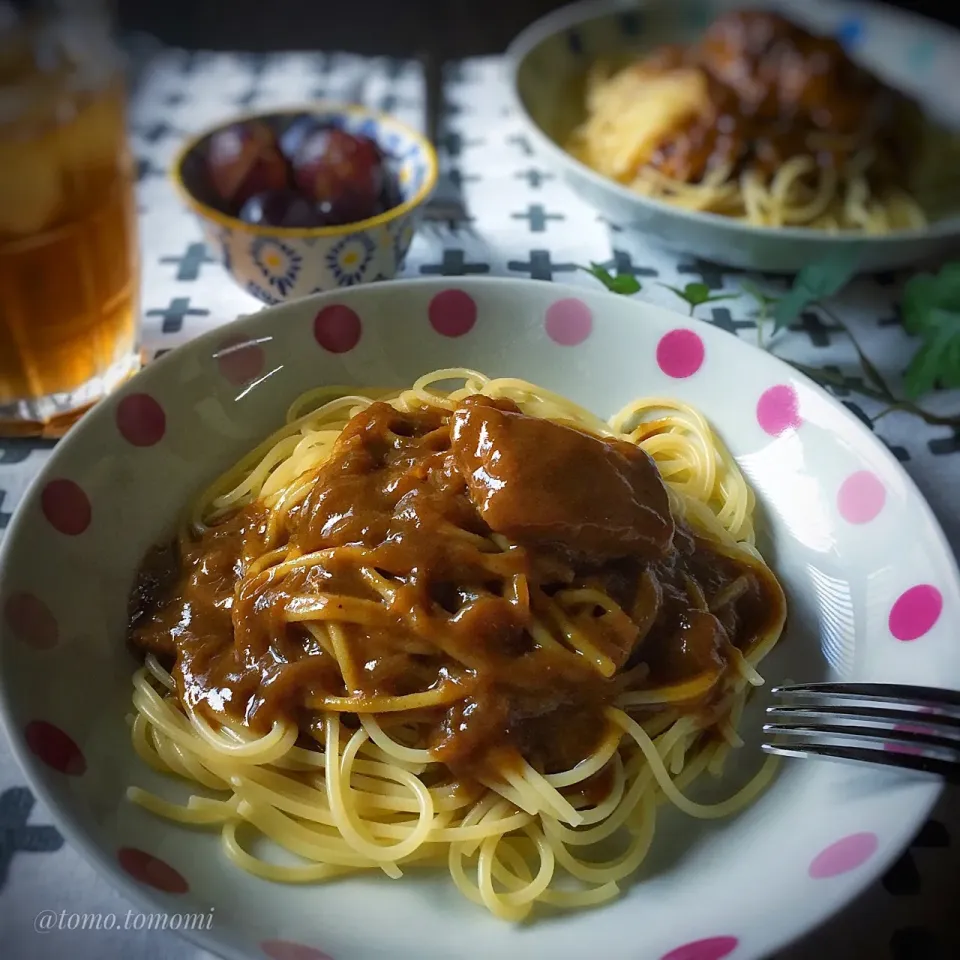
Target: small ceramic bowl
[277,264]
[547,63]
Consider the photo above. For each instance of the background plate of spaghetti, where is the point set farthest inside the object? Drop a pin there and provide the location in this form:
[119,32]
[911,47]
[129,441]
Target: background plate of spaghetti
[462,644]
[759,136]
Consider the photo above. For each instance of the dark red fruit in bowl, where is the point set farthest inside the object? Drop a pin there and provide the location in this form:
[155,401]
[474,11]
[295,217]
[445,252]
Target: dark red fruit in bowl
[280,208]
[390,196]
[244,159]
[342,173]
[296,131]
[347,208]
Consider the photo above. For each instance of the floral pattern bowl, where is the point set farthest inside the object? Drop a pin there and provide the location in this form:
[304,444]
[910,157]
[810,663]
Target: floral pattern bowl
[277,264]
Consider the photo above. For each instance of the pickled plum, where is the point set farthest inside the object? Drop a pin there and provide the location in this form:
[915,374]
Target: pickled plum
[390,196]
[280,208]
[244,160]
[343,174]
[299,171]
[296,132]
[347,208]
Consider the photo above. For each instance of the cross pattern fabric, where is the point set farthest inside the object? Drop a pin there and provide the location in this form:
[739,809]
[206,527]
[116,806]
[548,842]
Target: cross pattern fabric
[522,222]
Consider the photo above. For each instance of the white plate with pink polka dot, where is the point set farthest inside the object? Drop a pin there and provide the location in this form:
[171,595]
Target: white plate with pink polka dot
[872,586]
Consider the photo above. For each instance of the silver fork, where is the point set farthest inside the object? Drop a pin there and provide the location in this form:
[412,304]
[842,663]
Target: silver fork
[894,724]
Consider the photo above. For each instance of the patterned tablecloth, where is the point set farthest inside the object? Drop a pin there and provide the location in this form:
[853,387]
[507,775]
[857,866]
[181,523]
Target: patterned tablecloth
[525,223]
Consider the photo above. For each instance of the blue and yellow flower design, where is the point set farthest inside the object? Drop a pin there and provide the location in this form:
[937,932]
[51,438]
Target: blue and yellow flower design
[349,259]
[261,294]
[278,263]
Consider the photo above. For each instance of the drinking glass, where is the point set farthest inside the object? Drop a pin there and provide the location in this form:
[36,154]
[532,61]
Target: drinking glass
[68,248]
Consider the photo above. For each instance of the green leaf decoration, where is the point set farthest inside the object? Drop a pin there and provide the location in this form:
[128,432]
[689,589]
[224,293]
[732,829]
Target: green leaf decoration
[815,282]
[623,283]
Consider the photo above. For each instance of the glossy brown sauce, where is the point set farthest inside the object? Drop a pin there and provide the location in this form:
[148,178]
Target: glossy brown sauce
[416,497]
[778,92]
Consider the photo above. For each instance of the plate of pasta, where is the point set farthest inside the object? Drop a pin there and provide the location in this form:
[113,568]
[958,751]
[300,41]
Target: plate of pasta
[758,137]
[437,619]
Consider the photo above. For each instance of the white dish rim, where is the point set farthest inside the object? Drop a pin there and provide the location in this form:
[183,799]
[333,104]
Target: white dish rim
[582,11]
[139,895]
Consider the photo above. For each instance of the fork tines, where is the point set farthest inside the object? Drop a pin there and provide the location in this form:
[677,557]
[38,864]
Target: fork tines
[935,699]
[898,725]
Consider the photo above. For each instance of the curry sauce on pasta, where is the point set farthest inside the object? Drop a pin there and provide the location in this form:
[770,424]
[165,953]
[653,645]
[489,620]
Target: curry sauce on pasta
[764,121]
[476,626]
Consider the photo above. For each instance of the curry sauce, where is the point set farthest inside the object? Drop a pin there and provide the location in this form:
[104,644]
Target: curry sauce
[455,552]
[776,92]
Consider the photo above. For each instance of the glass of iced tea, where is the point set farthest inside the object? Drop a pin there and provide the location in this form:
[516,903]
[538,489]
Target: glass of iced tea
[68,246]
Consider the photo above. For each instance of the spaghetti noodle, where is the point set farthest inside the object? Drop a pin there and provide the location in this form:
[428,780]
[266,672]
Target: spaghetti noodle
[764,122]
[476,627]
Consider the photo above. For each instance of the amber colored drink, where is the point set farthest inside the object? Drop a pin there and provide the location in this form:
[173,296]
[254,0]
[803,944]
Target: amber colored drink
[68,251]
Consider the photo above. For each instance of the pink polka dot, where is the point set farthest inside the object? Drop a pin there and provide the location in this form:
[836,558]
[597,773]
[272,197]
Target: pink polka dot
[902,747]
[337,328]
[288,950]
[908,728]
[151,870]
[778,409]
[55,748]
[66,507]
[452,313]
[31,620]
[843,856]
[915,612]
[712,948]
[141,420]
[680,353]
[861,497]
[240,360]
[568,321]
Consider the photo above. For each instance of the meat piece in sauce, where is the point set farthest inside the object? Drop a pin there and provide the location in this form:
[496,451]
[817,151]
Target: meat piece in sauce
[777,68]
[778,91]
[541,482]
